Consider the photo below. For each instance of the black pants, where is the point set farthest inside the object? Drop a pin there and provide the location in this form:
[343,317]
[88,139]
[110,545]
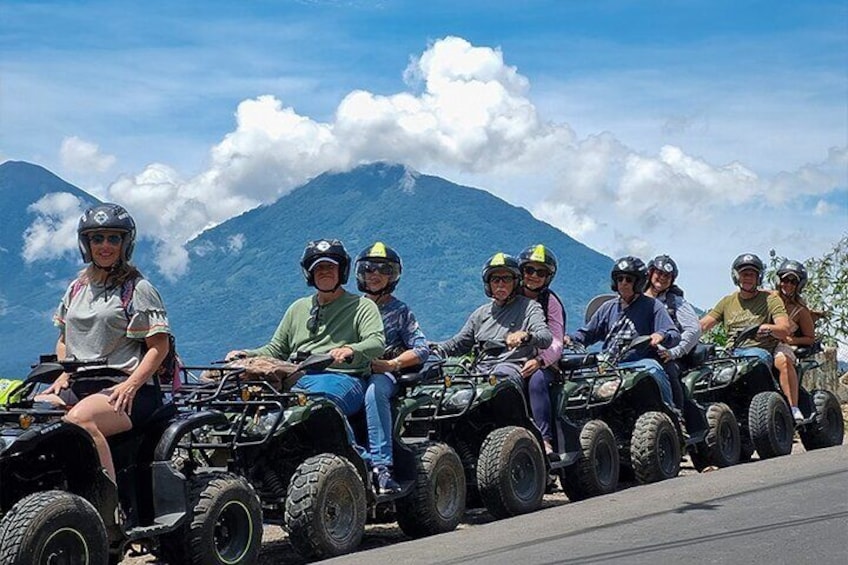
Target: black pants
[673,370]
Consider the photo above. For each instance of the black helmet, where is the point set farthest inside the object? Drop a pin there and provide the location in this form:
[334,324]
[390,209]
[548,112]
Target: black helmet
[792,267]
[106,217]
[665,264]
[539,254]
[326,249]
[630,266]
[747,261]
[501,261]
[380,257]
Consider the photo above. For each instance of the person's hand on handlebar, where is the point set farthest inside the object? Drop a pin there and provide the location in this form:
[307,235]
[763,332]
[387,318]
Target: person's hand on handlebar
[342,354]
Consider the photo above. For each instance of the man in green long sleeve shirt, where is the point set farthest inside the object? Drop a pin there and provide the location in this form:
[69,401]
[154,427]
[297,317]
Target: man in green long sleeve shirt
[332,321]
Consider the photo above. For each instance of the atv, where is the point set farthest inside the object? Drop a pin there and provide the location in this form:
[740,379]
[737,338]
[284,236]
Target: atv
[751,389]
[487,420]
[299,452]
[59,506]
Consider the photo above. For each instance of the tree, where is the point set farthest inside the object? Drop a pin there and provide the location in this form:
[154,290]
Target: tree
[826,291]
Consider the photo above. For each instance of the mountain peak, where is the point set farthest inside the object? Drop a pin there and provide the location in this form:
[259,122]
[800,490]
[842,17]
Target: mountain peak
[379,175]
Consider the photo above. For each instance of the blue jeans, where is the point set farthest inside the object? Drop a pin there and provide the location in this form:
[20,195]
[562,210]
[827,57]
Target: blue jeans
[346,391]
[378,415]
[538,389]
[764,355]
[656,371]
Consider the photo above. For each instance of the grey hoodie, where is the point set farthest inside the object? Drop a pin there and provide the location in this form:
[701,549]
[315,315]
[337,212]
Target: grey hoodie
[493,322]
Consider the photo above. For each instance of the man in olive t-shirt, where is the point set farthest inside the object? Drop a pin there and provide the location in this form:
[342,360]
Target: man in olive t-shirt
[749,306]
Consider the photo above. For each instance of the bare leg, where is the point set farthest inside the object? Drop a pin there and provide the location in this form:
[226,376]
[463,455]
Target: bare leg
[96,416]
[788,378]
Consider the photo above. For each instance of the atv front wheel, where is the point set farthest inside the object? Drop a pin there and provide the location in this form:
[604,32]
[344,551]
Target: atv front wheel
[771,425]
[723,444]
[437,500]
[597,469]
[827,428]
[654,448]
[53,527]
[224,526]
[325,507]
[511,472]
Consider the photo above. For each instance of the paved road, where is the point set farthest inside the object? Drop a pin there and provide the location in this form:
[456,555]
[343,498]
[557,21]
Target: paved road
[787,510]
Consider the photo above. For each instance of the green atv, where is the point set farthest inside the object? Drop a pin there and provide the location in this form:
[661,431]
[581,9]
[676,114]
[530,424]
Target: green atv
[751,389]
[487,420]
[59,506]
[298,451]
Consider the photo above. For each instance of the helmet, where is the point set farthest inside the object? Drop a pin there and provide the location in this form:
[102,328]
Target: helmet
[790,266]
[665,264]
[331,249]
[539,254]
[501,261]
[106,217]
[379,256]
[630,266]
[747,261]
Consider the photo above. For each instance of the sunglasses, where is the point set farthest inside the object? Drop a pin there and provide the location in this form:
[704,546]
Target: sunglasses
[789,280]
[501,279]
[373,267]
[544,273]
[313,323]
[625,278]
[99,238]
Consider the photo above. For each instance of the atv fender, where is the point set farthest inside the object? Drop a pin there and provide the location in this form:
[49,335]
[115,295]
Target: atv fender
[184,424]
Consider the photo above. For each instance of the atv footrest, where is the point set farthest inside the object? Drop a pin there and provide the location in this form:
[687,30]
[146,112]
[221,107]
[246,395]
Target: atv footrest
[157,529]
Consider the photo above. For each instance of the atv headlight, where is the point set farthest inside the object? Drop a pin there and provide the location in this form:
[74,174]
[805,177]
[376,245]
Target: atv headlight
[726,374]
[460,399]
[606,389]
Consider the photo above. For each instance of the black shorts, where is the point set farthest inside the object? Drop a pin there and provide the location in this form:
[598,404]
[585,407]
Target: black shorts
[147,398]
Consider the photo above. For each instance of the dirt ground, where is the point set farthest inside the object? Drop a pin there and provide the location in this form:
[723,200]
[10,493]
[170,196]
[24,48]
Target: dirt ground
[276,549]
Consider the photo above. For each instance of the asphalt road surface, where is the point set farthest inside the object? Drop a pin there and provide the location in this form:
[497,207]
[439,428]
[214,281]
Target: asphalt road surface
[787,510]
[790,510]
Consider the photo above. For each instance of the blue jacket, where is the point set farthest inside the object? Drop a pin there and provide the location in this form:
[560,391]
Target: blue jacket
[617,325]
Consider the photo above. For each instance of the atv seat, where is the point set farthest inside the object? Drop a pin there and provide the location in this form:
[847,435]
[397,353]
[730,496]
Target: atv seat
[808,350]
[701,353]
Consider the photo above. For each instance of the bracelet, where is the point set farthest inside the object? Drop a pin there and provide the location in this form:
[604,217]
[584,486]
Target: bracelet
[396,363]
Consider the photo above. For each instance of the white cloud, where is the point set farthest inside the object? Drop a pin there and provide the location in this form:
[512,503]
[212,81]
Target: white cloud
[80,156]
[823,208]
[235,243]
[53,233]
[468,116]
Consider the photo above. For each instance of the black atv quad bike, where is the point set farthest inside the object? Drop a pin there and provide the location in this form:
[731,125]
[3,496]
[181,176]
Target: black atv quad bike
[298,451]
[59,506]
[487,420]
[751,389]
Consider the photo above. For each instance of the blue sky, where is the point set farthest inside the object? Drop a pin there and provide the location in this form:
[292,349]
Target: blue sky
[699,129]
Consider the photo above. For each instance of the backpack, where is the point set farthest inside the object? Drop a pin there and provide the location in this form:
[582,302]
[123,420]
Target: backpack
[169,370]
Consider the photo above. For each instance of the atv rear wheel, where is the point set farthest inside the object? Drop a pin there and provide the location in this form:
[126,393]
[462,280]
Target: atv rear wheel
[827,428]
[654,448]
[224,526]
[325,507]
[53,527]
[437,500]
[596,471]
[723,443]
[511,473]
[771,425]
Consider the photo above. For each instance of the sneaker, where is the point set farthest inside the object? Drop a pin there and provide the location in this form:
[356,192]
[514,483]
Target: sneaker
[796,413]
[384,481]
